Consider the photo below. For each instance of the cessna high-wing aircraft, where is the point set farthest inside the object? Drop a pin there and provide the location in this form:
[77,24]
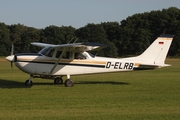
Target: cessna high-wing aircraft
[56,61]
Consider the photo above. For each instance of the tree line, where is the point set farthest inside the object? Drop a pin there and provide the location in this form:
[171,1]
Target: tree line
[130,36]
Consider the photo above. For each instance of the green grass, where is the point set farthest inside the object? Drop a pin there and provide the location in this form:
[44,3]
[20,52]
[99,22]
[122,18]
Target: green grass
[151,94]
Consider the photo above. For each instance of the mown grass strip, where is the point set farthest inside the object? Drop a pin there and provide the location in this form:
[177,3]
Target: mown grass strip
[152,94]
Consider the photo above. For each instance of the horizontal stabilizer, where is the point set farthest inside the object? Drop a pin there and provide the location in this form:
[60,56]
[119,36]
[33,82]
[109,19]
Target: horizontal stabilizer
[149,66]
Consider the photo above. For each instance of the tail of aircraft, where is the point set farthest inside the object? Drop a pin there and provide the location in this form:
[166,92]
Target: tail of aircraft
[156,53]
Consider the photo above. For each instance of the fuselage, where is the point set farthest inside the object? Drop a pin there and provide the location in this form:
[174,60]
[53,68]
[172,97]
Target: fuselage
[72,59]
[37,64]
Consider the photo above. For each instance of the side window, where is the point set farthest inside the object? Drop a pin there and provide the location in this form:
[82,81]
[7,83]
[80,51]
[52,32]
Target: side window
[58,54]
[66,55]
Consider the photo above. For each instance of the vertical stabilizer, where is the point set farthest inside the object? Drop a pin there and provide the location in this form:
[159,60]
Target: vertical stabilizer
[156,53]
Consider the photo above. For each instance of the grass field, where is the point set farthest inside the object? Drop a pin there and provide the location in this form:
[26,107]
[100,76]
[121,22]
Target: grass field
[152,94]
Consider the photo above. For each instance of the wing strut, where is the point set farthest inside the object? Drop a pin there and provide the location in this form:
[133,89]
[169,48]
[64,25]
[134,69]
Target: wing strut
[64,50]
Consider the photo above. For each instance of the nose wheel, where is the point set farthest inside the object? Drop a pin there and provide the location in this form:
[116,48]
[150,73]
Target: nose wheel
[28,82]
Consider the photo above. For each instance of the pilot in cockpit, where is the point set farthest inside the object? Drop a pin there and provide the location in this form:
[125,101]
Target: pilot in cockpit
[79,56]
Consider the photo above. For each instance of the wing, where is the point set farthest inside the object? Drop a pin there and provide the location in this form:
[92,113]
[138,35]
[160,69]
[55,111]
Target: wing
[84,46]
[41,44]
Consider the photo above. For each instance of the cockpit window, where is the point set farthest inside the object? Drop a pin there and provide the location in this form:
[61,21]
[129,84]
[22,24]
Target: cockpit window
[91,55]
[50,53]
[47,51]
[66,55]
[58,54]
[79,56]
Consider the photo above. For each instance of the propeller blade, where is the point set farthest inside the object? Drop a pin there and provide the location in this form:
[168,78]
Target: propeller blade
[11,57]
[12,49]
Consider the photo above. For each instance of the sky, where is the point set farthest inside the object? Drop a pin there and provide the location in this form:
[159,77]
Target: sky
[76,13]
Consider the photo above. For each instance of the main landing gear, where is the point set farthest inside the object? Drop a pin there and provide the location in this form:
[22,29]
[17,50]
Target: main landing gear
[58,80]
[67,83]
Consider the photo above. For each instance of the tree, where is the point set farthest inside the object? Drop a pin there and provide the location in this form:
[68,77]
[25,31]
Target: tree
[15,35]
[97,34]
[57,35]
[28,36]
[4,40]
[149,26]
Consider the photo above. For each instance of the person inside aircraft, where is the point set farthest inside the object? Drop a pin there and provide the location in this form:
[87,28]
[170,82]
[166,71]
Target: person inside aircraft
[79,56]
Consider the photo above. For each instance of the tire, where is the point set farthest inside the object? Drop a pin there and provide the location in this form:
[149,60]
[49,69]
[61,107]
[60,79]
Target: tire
[69,83]
[28,83]
[58,81]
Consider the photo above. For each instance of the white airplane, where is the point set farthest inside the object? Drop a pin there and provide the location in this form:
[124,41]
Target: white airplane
[56,61]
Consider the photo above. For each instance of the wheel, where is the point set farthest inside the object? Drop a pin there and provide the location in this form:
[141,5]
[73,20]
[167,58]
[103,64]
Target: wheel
[58,81]
[69,83]
[28,82]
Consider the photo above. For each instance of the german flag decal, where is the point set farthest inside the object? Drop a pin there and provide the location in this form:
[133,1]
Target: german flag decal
[161,43]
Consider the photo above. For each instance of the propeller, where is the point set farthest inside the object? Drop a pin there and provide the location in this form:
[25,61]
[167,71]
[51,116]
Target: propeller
[12,49]
[10,58]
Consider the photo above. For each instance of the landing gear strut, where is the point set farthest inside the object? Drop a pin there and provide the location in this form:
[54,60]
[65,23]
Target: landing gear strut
[29,81]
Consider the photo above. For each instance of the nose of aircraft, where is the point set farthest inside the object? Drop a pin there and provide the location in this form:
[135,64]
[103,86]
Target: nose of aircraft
[10,58]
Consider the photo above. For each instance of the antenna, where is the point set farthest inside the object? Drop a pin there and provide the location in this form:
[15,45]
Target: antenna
[70,40]
[76,40]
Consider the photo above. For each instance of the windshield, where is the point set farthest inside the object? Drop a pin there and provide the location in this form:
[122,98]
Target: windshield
[91,55]
[47,51]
